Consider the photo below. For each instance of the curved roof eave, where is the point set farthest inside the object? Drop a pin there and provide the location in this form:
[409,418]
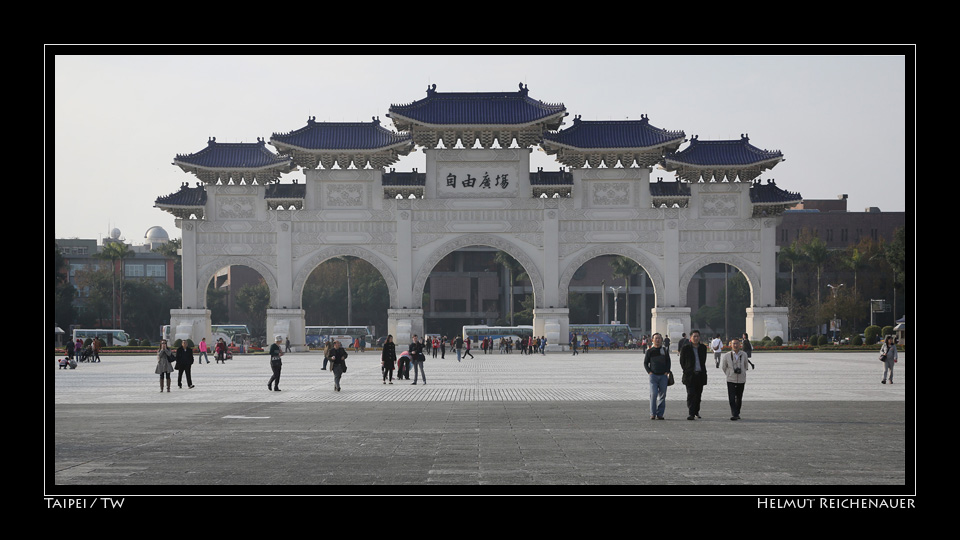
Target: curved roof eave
[545,119]
[287,146]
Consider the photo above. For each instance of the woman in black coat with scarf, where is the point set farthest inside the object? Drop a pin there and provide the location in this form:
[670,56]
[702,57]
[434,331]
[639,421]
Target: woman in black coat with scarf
[388,358]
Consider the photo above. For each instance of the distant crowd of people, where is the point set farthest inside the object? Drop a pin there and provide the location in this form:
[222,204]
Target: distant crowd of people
[694,355]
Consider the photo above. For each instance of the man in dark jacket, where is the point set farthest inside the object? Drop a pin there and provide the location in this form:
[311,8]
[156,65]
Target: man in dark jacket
[416,356]
[692,360]
[656,361]
[184,357]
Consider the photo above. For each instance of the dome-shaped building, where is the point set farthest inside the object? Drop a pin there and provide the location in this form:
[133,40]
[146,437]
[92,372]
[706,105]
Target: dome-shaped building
[156,236]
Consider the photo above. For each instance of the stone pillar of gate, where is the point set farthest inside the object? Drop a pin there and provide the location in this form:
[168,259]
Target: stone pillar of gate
[670,322]
[287,323]
[189,323]
[188,254]
[767,321]
[402,324]
[554,324]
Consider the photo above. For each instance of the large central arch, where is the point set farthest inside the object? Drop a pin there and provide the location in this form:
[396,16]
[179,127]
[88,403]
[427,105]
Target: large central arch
[449,246]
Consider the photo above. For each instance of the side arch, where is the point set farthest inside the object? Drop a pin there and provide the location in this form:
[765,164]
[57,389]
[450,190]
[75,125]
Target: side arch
[325,254]
[644,260]
[206,272]
[749,271]
[515,251]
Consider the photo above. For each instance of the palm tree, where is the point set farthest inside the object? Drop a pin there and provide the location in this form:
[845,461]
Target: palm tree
[113,252]
[792,255]
[624,267]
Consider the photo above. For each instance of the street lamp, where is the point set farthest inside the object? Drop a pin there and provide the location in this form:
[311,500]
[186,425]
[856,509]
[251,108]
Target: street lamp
[615,290]
[834,289]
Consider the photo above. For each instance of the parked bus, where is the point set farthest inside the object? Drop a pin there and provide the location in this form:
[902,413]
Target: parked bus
[226,331]
[478,332]
[111,337]
[603,335]
[231,333]
[318,335]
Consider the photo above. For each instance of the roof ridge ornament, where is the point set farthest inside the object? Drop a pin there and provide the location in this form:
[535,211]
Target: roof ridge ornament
[432,89]
[524,89]
[211,141]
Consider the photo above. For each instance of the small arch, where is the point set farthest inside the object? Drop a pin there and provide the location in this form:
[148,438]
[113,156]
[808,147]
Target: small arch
[638,256]
[207,271]
[746,268]
[313,261]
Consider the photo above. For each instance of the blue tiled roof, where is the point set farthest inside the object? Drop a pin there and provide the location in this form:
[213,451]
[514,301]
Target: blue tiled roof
[477,108]
[551,178]
[285,191]
[233,156]
[769,193]
[669,189]
[722,153]
[341,136]
[413,178]
[187,196]
[614,134]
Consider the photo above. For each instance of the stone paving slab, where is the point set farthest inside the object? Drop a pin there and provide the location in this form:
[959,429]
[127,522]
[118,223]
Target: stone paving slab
[504,421]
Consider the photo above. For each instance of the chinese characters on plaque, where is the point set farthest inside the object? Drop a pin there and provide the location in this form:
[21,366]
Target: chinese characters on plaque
[468,181]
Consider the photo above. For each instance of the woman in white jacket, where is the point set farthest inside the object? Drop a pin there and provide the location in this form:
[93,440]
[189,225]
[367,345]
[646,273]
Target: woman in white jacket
[888,355]
[734,364]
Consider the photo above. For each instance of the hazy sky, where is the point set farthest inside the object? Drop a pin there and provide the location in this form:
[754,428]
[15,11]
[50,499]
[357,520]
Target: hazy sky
[120,120]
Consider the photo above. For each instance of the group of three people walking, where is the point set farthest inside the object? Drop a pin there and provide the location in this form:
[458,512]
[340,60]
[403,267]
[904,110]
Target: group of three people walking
[693,357]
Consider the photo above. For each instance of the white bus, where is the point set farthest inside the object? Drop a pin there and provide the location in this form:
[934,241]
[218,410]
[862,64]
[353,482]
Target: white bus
[229,333]
[478,332]
[318,335]
[111,337]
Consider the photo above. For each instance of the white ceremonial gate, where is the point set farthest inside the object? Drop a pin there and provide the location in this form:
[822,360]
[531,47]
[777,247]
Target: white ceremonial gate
[403,224]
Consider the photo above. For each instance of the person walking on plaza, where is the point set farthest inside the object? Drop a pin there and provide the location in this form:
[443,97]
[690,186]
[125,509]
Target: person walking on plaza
[458,345]
[327,347]
[656,361]
[573,343]
[96,349]
[435,346]
[276,351]
[70,346]
[184,359]
[746,346]
[888,355]
[466,348]
[717,347]
[202,348]
[388,357]
[164,368]
[416,356]
[338,363]
[692,358]
[683,342]
[734,365]
[443,347]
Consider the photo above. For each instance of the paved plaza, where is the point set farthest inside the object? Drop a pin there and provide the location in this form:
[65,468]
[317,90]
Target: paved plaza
[816,420]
